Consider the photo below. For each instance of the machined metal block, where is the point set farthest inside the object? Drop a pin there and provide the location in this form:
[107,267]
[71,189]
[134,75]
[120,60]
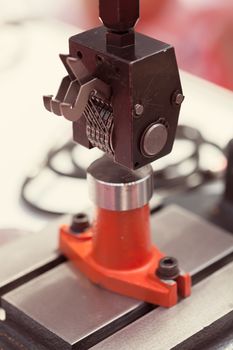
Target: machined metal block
[64,310]
[199,322]
[145,81]
[29,256]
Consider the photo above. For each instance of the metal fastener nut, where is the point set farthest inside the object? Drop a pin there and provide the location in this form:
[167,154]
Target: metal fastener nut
[118,15]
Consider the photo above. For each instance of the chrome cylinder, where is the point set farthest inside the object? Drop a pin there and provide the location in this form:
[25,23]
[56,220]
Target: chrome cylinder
[114,187]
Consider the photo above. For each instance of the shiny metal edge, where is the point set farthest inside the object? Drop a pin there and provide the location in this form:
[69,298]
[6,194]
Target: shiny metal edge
[162,329]
[196,243]
[114,187]
[170,227]
[24,255]
[64,291]
[63,307]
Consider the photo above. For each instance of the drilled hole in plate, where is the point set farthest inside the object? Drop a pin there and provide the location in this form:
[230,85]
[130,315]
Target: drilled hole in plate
[80,55]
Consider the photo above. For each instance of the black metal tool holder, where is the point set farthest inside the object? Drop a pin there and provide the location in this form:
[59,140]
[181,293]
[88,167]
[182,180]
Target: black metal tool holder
[123,91]
[49,305]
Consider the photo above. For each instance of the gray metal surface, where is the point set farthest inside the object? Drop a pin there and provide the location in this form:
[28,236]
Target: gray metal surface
[170,227]
[115,187]
[195,242]
[67,306]
[66,310]
[164,329]
[27,254]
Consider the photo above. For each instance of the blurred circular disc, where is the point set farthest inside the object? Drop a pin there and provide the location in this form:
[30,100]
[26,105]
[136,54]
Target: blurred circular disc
[212,159]
[62,162]
[13,53]
[9,234]
[182,150]
[57,194]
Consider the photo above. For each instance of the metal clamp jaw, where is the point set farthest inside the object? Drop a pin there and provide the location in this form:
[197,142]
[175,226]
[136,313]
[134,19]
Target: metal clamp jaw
[123,92]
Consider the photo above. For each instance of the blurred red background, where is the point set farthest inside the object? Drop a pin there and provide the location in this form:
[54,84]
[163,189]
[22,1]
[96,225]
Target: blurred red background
[201,31]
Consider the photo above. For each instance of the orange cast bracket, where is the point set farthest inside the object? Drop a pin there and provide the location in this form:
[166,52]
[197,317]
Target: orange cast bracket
[116,253]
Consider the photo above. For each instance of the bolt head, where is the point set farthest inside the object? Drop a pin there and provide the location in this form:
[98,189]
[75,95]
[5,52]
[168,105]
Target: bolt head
[119,15]
[178,98]
[138,109]
[80,223]
[168,268]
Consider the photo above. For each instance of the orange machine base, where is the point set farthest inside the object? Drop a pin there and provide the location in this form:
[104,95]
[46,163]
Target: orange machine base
[139,283]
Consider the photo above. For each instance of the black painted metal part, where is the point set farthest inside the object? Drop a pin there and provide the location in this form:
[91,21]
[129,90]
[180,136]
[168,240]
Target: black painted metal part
[123,91]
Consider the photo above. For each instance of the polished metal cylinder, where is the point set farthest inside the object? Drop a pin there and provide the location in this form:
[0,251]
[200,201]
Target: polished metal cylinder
[114,187]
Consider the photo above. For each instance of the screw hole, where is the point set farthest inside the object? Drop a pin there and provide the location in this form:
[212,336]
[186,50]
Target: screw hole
[168,261]
[99,59]
[80,216]
[80,55]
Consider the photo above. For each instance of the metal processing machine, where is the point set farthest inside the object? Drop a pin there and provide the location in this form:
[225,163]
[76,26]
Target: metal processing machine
[123,95]
[115,275]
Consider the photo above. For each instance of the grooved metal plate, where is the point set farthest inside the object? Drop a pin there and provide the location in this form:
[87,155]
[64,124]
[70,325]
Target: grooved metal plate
[170,227]
[195,242]
[27,254]
[63,310]
[68,308]
[212,299]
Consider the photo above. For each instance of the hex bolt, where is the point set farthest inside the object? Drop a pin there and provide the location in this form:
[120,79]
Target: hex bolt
[168,268]
[138,109]
[177,98]
[80,223]
[119,15]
